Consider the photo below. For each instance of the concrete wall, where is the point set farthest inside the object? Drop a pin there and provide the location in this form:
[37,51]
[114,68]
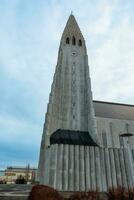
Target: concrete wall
[80,168]
[109,131]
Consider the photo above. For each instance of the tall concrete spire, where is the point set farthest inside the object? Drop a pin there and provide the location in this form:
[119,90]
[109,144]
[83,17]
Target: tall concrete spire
[72,28]
[70,103]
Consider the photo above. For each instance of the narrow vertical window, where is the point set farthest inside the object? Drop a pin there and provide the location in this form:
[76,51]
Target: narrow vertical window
[80,43]
[111,134]
[127,128]
[73,40]
[104,138]
[67,40]
[121,141]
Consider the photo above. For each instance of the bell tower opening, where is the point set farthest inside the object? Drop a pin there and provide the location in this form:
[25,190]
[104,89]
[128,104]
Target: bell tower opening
[80,43]
[67,40]
[73,41]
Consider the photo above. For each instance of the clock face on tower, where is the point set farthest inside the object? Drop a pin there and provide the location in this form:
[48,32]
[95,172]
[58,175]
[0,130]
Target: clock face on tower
[74,53]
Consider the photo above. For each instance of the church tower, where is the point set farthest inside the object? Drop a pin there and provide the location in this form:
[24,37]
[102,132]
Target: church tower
[70,104]
[70,157]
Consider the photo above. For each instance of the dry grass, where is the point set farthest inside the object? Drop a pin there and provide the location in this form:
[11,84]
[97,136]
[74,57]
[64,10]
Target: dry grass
[120,193]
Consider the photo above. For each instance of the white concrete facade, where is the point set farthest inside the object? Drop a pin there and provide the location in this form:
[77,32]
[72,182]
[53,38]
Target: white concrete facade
[70,102]
[114,119]
[109,131]
[78,167]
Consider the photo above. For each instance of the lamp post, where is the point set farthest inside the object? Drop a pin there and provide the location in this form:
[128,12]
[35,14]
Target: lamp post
[127,145]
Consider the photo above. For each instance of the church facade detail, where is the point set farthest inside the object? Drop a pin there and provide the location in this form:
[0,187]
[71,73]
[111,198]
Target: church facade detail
[84,143]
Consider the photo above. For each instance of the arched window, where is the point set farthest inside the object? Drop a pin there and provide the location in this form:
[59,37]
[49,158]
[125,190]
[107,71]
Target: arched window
[80,43]
[67,40]
[73,40]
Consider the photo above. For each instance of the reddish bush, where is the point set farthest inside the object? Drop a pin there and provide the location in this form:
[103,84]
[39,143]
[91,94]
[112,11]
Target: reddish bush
[42,192]
[90,195]
[120,193]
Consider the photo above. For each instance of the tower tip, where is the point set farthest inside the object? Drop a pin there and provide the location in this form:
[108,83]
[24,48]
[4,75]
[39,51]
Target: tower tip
[72,28]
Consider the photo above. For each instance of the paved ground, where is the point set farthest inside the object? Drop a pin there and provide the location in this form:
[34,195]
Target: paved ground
[6,190]
[19,192]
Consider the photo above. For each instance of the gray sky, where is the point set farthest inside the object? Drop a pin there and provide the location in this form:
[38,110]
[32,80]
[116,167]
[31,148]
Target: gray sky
[30,34]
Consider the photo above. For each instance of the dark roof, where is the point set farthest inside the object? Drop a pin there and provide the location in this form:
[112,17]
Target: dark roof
[19,168]
[71,137]
[114,110]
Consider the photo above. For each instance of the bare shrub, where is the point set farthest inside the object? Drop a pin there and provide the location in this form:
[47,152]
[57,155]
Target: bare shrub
[120,193]
[42,192]
[90,195]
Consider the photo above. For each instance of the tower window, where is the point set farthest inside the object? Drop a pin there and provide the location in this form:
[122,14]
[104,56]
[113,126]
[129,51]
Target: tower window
[67,40]
[80,43]
[73,40]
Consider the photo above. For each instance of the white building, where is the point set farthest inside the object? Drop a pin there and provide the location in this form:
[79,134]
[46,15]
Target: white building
[82,146]
[12,173]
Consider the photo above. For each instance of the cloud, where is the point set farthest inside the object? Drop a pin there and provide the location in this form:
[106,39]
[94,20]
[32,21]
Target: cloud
[29,39]
[103,22]
[114,61]
[19,141]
